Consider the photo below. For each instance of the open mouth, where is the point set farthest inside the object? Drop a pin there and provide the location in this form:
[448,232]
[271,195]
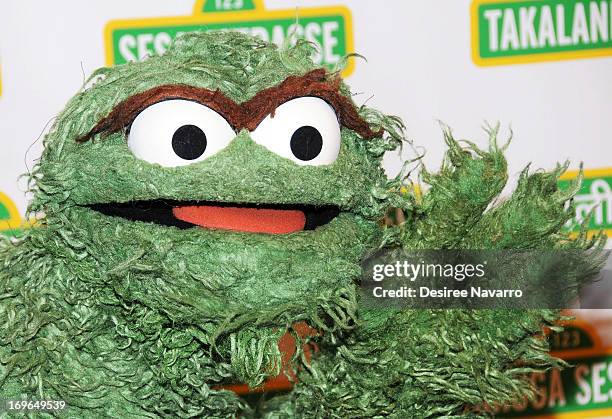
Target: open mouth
[265,218]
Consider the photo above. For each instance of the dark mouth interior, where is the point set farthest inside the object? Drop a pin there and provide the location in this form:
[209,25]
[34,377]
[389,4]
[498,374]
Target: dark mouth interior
[160,211]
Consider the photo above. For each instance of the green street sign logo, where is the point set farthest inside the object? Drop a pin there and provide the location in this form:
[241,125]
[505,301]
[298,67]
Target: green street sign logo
[10,220]
[594,199]
[329,28]
[580,391]
[226,5]
[523,31]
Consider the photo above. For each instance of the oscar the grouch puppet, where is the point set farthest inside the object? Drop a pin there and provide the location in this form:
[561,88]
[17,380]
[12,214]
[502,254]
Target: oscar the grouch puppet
[200,205]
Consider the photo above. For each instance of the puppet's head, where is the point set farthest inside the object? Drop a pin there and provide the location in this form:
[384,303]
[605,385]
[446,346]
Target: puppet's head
[217,194]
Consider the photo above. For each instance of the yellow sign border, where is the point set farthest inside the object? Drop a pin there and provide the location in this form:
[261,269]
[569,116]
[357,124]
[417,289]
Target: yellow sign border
[588,173]
[260,13]
[585,414]
[523,59]
[14,222]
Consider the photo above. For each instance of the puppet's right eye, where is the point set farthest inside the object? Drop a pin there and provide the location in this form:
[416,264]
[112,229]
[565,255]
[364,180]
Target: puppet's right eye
[178,132]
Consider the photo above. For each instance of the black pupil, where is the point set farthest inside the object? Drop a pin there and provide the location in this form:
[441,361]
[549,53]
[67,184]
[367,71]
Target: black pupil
[306,143]
[189,142]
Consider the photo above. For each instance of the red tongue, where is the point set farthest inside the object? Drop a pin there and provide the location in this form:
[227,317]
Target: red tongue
[251,220]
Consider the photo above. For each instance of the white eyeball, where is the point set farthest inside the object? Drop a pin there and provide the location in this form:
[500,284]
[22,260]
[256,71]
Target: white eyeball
[178,132]
[304,130]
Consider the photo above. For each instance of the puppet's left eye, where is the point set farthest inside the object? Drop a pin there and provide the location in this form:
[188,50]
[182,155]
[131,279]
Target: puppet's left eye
[178,132]
[305,130]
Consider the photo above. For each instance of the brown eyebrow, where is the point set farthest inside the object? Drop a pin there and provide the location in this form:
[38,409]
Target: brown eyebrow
[247,114]
[125,112]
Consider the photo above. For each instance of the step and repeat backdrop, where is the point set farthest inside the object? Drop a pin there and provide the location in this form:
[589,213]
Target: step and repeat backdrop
[542,68]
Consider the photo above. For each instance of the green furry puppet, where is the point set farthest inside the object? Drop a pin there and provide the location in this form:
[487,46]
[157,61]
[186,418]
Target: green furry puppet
[195,207]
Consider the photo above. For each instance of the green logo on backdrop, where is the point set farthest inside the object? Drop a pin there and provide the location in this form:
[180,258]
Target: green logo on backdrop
[511,31]
[226,5]
[329,28]
[4,212]
[594,199]
[10,220]
[582,390]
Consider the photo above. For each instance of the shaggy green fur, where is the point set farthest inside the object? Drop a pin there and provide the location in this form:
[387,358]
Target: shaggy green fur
[128,319]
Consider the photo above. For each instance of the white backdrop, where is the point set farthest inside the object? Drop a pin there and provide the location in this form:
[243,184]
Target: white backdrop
[419,66]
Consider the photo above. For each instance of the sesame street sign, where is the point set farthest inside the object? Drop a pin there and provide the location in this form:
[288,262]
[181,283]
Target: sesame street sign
[594,199]
[521,31]
[10,220]
[583,390]
[329,28]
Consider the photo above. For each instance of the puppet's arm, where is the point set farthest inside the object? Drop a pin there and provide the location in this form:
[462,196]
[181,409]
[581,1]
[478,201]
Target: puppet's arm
[423,364]
[459,208]
[432,363]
